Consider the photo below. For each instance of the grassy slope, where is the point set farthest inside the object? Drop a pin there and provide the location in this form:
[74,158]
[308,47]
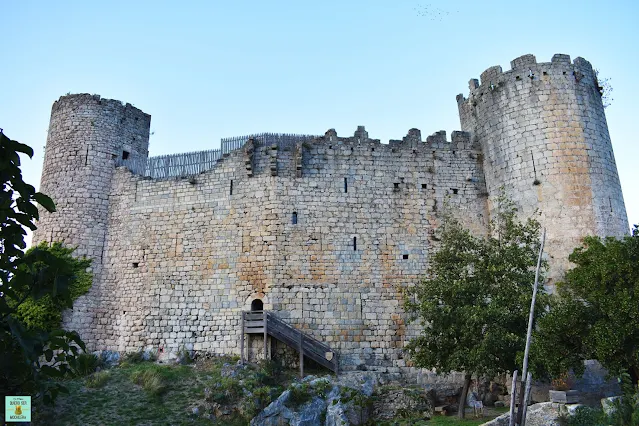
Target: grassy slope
[150,394]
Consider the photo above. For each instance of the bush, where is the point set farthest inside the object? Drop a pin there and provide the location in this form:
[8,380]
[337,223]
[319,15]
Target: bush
[301,393]
[184,356]
[86,364]
[151,381]
[226,390]
[46,312]
[134,357]
[97,380]
[270,373]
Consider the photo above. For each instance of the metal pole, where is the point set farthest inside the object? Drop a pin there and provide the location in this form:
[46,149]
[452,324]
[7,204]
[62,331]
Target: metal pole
[530,323]
[524,408]
[513,394]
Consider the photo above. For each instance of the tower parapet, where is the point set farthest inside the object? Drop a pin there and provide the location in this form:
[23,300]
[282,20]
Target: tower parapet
[86,134]
[543,132]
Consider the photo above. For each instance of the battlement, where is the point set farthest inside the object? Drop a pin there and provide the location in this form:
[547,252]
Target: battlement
[77,99]
[526,68]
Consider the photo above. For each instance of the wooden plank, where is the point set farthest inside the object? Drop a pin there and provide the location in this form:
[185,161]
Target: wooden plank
[301,349]
[242,340]
[265,335]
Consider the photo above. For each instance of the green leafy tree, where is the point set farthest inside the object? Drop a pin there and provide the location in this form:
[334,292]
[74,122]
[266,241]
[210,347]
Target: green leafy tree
[46,312]
[595,314]
[474,303]
[32,275]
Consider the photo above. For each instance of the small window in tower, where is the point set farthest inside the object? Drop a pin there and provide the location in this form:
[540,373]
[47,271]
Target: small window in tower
[423,186]
[231,188]
[125,155]
[518,78]
[545,73]
[455,190]
[404,256]
[396,185]
[294,218]
[136,264]
[345,185]
[354,243]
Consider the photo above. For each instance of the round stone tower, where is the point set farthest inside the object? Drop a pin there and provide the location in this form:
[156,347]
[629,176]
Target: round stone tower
[544,137]
[86,135]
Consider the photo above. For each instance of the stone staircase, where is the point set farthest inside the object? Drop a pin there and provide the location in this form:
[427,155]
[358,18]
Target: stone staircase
[268,324]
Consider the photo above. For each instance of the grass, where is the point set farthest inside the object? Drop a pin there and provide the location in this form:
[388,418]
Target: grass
[144,393]
[97,380]
[133,394]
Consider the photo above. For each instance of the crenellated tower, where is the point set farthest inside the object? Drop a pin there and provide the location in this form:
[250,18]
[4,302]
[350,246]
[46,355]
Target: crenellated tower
[544,137]
[86,134]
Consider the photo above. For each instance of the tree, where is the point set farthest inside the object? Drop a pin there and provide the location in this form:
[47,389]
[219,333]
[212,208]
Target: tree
[474,303]
[595,314]
[46,313]
[31,275]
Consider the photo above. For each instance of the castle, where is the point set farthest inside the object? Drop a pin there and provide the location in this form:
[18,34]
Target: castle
[323,231]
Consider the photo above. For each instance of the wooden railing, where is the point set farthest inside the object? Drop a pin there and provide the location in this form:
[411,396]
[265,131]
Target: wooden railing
[268,324]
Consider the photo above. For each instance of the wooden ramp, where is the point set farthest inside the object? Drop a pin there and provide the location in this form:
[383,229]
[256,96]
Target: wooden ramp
[268,324]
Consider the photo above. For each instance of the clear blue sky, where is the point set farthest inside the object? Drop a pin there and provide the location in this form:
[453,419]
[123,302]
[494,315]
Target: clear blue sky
[206,70]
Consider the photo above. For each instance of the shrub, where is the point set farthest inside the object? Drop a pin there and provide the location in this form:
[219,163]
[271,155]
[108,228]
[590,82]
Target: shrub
[134,357]
[300,395]
[270,373]
[97,380]
[151,381]
[86,364]
[46,312]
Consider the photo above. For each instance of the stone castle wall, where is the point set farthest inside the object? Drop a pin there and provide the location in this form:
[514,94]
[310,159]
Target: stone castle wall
[326,232]
[184,257]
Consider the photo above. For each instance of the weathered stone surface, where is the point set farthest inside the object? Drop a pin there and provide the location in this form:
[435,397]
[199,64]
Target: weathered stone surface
[394,403]
[176,260]
[542,414]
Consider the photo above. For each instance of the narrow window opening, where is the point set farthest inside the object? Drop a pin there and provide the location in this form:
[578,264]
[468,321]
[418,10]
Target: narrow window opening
[423,186]
[136,264]
[231,188]
[330,147]
[345,185]
[372,149]
[455,190]
[545,73]
[454,152]
[257,305]
[610,203]
[354,243]
[404,256]
[518,78]
[125,155]
[294,218]
[396,185]
[564,72]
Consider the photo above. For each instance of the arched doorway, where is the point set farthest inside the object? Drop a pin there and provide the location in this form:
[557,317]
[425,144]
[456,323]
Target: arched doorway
[257,305]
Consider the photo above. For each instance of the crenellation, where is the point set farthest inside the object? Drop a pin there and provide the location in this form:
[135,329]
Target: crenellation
[523,62]
[327,231]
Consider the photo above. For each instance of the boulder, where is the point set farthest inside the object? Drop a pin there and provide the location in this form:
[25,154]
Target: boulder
[542,414]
